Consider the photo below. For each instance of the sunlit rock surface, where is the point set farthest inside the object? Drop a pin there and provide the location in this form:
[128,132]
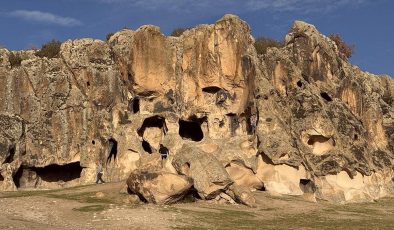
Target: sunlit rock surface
[324,127]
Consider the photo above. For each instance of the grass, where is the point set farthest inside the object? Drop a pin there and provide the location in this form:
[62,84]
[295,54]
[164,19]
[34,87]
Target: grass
[92,208]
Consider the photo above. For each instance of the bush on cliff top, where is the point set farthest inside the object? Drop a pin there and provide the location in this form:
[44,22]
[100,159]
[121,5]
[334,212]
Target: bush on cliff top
[109,35]
[343,47]
[50,49]
[178,32]
[15,59]
[263,43]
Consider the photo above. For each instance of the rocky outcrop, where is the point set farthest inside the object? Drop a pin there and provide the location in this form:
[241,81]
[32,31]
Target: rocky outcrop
[297,120]
[154,185]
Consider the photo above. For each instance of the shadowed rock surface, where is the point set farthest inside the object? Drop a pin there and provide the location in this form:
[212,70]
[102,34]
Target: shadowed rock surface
[296,120]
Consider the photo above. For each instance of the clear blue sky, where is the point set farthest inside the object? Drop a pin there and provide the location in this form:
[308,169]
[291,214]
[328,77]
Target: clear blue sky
[366,23]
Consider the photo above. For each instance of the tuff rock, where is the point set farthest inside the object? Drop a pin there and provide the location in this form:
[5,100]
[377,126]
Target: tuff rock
[324,127]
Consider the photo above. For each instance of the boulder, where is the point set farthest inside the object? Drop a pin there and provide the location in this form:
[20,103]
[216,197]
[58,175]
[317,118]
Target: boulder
[159,187]
[209,176]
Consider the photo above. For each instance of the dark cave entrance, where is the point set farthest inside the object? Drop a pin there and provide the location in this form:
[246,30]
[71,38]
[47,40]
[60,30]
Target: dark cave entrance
[1,178]
[113,150]
[146,147]
[211,89]
[325,96]
[151,122]
[50,173]
[234,122]
[307,186]
[134,105]
[317,139]
[11,154]
[191,129]
[155,121]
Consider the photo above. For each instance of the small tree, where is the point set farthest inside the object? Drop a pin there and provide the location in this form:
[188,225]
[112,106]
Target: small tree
[263,43]
[343,47]
[15,59]
[50,49]
[177,32]
[109,35]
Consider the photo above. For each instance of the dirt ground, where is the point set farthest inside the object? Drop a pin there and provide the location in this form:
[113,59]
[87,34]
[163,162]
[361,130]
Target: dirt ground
[82,208]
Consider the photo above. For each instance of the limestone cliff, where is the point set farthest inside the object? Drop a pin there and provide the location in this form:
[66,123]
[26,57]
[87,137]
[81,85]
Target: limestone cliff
[322,125]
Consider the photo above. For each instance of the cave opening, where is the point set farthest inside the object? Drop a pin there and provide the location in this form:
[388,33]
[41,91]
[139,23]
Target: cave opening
[191,130]
[11,154]
[325,96]
[191,195]
[113,150]
[234,122]
[49,173]
[307,186]
[134,105]
[17,176]
[150,122]
[317,139]
[299,83]
[1,177]
[55,172]
[87,83]
[146,147]
[211,89]
[320,144]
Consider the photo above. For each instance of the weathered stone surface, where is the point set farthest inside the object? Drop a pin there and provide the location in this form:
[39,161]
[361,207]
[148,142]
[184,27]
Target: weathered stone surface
[320,120]
[155,185]
[159,187]
[209,176]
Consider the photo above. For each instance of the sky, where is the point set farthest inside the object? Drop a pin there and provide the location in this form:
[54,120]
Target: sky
[368,24]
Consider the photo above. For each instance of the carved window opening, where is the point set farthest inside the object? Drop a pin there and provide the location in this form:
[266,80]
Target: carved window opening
[113,150]
[325,96]
[191,130]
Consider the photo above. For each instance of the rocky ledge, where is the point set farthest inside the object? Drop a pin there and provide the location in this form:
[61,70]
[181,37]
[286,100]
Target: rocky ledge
[298,120]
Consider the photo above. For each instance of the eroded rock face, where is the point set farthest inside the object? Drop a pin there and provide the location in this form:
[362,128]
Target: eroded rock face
[296,120]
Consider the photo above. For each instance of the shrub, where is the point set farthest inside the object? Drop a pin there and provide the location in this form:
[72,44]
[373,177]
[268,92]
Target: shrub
[50,49]
[178,32]
[15,59]
[109,35]
[263,43]
[343,47]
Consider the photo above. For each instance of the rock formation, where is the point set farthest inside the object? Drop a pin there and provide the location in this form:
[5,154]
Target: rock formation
[323,126]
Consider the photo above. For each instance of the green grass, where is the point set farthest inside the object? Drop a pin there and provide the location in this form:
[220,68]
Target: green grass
[92,208]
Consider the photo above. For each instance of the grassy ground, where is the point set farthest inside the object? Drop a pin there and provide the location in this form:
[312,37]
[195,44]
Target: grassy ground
[112,212]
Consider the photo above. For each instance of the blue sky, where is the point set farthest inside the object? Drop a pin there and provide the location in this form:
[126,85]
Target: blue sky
[368,24]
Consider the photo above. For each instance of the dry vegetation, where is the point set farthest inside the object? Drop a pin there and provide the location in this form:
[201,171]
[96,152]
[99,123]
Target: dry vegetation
[79,207]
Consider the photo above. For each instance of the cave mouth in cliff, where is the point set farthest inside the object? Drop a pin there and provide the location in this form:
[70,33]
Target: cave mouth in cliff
[11,154]
[299,83]
[211,89]
[146,147]
[307,186]
[1,178]
[191,130]
[320,144]
[113,150]
[49,173]
[150,122]
[134,105]
[233,122]
[325,96]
